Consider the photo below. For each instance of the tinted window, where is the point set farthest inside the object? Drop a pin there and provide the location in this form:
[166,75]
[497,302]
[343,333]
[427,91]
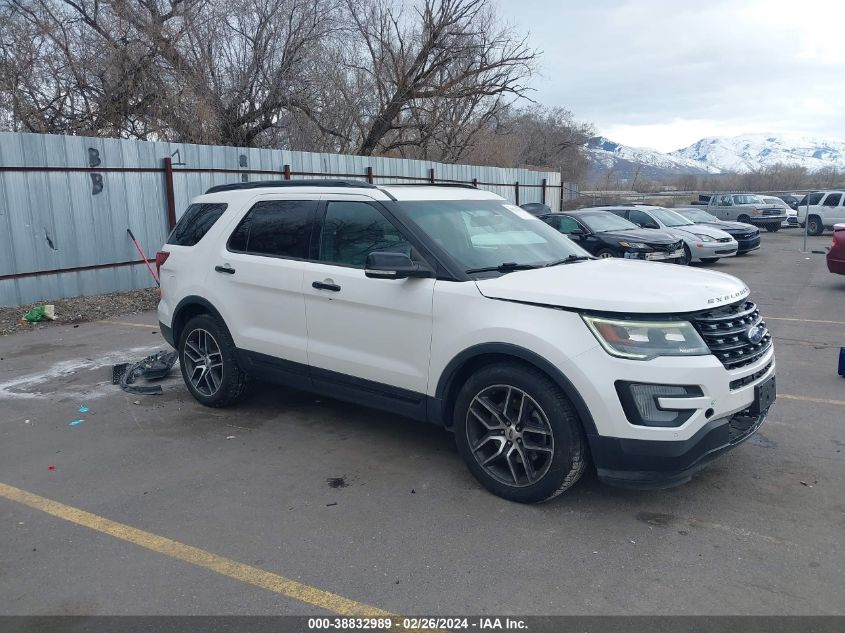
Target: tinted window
[275,227]
[352,230]
[568,225]
[640,218]
[195,223]
[832,199]
[815,198]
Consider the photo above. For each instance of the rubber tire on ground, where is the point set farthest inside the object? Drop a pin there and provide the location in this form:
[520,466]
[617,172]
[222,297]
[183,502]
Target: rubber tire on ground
[687,256]
[744,219]
[816,226]
[569,460]
[773,228]
[709,260]
[234,380]
[605,251]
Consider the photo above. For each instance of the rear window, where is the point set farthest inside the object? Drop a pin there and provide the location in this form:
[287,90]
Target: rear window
[195,223]
[833,200]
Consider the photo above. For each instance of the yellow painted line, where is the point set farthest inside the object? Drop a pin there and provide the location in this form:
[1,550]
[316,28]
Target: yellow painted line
[771,318]
[199,557]
[840,403]
[143,325]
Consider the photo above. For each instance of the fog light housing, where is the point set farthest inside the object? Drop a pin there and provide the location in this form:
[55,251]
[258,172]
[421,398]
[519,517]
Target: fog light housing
[640,403]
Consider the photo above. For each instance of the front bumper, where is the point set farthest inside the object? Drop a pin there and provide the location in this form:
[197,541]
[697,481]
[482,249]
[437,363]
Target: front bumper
[746,246]
[649,464]
[710,250]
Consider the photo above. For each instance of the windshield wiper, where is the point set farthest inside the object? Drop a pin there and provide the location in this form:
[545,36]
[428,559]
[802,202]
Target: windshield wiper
[568,260]
[506,267]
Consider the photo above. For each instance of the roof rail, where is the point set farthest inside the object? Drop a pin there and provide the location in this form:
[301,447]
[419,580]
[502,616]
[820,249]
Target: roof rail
[313,182]
[459,185]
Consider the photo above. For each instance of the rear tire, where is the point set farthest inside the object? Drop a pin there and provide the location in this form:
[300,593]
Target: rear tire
[518,433]
[209,363]
[744,219]
[816,227]
[773,228]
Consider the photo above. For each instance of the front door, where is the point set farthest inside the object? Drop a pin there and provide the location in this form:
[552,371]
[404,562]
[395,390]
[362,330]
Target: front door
[365,332]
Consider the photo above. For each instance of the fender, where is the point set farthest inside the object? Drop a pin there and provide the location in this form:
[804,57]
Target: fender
[186,302]
[439,405]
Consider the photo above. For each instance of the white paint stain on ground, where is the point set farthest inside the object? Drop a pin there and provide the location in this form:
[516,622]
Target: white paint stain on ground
[53,382]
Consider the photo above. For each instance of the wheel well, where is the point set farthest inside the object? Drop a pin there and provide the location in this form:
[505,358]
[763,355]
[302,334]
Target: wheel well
[462,373]
[185,314]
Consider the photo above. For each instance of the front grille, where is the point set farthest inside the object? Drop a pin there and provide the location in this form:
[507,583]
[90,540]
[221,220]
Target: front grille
[725,330]
[742,382]
[771,212]
[667,248]
[748,236]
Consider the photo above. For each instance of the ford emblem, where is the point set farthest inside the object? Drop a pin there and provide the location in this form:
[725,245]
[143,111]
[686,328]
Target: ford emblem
[756,333]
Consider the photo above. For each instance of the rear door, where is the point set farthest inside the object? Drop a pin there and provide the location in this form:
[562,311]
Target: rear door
[363,333]
[258,273]
[832,209]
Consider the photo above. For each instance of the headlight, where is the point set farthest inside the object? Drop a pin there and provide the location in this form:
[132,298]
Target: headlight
[644,340]
[632,245]
[704,238]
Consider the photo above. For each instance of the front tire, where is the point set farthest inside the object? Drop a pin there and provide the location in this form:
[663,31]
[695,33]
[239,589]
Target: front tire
[687,257]
[816,227]
[605,253]
[773,228]
[209,364]
[518,433]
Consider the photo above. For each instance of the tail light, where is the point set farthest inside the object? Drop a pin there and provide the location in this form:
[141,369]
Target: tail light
[161,257]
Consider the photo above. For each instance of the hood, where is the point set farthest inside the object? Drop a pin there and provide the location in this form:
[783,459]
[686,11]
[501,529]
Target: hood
[618,285]
[649,236]
[700,229]
[733,226]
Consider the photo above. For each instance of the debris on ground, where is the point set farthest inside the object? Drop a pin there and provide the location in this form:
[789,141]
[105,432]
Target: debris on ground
[41,313]
[51,468]
[82,309]
[230,437]
[333,503]
[83,409]
[153,367]
[337,482]
[75,422]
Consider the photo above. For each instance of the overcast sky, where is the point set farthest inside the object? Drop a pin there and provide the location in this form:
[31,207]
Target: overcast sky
[665,73]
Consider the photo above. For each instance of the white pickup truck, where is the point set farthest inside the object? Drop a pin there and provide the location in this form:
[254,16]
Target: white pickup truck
[826,208]
[747,208]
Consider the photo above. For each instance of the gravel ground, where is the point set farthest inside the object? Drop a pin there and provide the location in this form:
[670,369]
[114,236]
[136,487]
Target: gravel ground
[81,309]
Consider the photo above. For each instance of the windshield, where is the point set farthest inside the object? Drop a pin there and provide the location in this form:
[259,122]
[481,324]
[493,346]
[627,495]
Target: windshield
[603,221]
[697,215]
[670,218]
[489,233]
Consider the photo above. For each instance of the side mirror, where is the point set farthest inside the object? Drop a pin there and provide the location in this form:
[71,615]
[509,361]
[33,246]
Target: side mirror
[394,266]
[578,233]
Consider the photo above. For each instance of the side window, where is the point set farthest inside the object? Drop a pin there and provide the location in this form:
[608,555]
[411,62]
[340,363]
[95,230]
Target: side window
[352,230]
[725,201]
[832,200]
[638,217]
[279,228]
[195,223]
[815,198]
[568,225]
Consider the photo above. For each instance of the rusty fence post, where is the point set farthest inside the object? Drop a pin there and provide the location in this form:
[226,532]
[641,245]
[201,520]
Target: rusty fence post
[171,197]
[286,172]
[475,182]
[431,175]
[543,192]
[370,175]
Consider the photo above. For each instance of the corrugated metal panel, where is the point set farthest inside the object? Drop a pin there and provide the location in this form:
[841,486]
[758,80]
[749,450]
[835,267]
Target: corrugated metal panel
[52,220]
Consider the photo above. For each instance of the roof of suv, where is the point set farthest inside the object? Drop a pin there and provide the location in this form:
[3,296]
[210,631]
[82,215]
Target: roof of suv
[240,191]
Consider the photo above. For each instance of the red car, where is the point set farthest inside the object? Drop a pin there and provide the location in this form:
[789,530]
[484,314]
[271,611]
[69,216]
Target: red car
[836,254]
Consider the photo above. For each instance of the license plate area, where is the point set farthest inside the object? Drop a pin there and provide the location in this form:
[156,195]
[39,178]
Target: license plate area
[764,395]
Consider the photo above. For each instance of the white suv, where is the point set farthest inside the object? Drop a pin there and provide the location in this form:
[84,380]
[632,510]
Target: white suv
[452,306]
[826,208]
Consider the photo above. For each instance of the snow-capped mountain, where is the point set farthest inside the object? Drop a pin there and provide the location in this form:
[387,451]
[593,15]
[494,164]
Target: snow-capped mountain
[626,163]
[713,155]
[751,152]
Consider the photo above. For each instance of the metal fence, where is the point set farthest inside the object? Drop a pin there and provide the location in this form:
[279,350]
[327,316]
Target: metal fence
[66,201]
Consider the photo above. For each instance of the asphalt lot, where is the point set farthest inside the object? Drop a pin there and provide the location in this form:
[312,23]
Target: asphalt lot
[758,532]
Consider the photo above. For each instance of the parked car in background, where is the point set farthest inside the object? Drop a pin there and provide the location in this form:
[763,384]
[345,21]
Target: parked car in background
[605,234]
[747,208]
[536,208]
[792,199]
[836,254]
[826,208]
[791,220]
[747,236]
[701,242]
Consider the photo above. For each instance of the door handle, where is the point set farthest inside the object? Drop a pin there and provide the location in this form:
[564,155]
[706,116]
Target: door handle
[225,269]
[320,285]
